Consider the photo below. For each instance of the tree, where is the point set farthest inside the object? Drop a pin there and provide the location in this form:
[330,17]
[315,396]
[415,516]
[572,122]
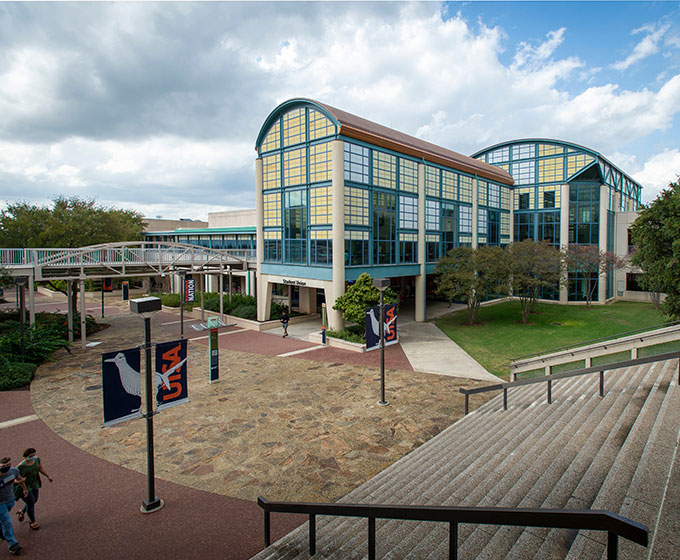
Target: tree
[533,265]
[359,296]
[590,262]
[473,275]
[71,222]
[655,235]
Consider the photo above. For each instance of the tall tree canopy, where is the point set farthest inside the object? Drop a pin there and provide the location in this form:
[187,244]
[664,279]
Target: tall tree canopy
[534,265]
[473,275]
[70,222]
[656,235]
[590,263]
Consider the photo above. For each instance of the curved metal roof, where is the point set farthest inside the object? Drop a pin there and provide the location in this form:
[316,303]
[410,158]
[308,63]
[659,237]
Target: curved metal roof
[358,128]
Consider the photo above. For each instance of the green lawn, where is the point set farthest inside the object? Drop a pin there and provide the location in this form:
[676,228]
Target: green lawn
[501,336]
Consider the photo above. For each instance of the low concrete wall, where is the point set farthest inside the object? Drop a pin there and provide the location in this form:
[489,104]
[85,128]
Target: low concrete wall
[338,343]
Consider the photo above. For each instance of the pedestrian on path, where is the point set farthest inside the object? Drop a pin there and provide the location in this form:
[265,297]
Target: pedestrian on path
[30,469]
[284,322]
[9,476]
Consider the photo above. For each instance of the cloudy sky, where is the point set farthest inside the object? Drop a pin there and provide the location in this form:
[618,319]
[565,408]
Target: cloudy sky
[156,106]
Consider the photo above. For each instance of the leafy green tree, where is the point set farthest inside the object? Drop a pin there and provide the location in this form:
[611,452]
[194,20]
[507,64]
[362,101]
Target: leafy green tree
[656,236]
[589,262]
[70,222]
[473,275]
[533,265]
[359,296]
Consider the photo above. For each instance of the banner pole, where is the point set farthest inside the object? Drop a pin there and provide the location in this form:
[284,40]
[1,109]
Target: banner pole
[152,503]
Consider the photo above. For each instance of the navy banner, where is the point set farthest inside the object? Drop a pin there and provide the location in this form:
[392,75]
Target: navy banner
[171,373]
[373,326]
[121,385]
[189,290]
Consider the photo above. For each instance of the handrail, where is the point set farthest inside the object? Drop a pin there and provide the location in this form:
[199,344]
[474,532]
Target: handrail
[596,520]
[594,340]
[571,373]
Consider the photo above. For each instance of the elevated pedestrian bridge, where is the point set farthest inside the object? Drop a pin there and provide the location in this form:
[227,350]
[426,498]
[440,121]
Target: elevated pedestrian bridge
[132,258]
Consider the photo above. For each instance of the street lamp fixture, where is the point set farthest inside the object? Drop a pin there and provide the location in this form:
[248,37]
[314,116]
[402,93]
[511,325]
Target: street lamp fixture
[146,308]
[381,284]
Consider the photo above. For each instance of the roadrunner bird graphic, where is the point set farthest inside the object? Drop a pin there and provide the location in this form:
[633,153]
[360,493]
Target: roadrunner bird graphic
[130,378]
[375,323]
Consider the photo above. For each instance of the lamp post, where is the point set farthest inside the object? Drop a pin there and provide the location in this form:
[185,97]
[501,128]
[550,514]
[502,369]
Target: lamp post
[147,307]
[182,279]
[381,284]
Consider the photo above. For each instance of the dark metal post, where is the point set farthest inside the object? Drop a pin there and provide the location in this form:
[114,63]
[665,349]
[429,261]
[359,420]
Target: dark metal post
[312,534]
[612,546]
[181,304]
[602,383]
[382,401]
[267,529]
[152,502]
[467,401]
[371,538]
[549,391]
[453,540]
[102,298]
[505,398]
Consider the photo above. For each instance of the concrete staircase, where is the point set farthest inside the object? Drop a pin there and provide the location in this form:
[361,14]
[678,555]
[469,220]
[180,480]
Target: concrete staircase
[581,452]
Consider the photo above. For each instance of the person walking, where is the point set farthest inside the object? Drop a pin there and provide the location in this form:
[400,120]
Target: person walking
[9,477]
[284,322]
[30,469]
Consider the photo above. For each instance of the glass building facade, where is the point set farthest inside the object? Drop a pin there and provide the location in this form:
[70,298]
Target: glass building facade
[558,182]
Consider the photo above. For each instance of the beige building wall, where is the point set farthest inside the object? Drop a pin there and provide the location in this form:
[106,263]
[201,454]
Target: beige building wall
[160,224]
[233,218]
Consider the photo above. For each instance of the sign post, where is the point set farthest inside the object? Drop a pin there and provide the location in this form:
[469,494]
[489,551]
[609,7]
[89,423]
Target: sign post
[126,290]
[323,324]
[381,284]
[214,350]
[147,308]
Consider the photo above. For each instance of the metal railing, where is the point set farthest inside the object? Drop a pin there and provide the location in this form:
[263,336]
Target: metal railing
[595,341]
[573,373]
[594,520]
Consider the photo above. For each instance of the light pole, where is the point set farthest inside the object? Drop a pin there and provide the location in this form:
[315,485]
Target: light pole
[381,284]
[147,307]
[182,280]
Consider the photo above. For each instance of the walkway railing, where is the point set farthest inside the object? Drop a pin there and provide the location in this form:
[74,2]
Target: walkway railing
[594,520]
[548,379]
[629,341]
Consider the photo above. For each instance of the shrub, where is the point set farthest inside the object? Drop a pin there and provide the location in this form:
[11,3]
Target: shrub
[14,375]
[350,334]
[245,311]
[40,341]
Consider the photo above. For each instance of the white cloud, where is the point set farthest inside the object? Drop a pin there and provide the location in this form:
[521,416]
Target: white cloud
[648,46]
[126,101]
[657,172]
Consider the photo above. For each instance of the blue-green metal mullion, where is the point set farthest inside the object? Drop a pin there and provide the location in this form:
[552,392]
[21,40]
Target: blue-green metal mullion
[371,233]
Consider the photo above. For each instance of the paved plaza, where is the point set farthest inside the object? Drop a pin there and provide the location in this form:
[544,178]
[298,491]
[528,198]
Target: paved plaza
[305,427]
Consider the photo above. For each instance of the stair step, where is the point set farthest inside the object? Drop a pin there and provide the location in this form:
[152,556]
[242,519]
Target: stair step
[571,459]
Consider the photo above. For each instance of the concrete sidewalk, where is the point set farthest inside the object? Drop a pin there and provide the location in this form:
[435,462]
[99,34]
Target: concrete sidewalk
[430,351]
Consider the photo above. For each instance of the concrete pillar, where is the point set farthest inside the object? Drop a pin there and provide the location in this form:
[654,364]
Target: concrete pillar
[264,298]
[633,353]
[589,362]
[31,298]
[146,284]
[564,238]
[602,284]
[421,279]
[475,213]
[335,319]
[251,283]
[263,310]
[512,215]
[307,300]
